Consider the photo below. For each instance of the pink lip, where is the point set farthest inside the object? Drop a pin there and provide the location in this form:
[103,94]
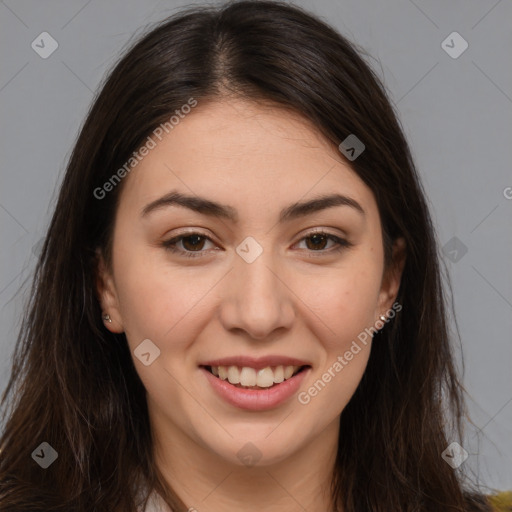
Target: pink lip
[254,399]
[256,363]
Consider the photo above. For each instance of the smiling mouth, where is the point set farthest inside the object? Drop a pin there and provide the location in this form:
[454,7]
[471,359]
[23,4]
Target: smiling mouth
[249,378]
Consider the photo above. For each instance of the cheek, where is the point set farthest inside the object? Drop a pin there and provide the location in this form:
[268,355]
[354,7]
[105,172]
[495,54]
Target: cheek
[156,301]
[344,300]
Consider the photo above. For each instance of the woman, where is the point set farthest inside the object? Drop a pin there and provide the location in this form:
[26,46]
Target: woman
[238,305]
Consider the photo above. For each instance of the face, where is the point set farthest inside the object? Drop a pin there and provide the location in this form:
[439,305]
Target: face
[248,284]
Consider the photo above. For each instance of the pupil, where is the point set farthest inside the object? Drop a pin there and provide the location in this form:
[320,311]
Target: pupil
[186,241]
[316,237]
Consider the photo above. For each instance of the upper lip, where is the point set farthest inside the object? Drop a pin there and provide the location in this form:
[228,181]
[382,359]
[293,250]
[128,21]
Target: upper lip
[255,362]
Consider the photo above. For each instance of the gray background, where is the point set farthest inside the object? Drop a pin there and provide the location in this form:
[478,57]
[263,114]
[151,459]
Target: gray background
[456,113]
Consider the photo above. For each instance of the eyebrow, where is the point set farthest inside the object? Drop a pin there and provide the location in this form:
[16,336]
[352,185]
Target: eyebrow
[213,209]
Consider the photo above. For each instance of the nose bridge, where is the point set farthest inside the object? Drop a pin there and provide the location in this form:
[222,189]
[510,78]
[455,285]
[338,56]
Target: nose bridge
[258,301]
[259,282]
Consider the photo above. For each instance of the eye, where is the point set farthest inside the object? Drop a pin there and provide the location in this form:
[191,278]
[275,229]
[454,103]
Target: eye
[193,243]
[320,238]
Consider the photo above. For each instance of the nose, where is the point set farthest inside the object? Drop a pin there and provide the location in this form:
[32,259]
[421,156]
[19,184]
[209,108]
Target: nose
[257,299]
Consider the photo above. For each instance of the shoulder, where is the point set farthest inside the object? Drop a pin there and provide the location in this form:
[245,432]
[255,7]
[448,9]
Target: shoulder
[501,502]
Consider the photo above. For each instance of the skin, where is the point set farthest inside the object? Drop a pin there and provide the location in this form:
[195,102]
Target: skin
[294,299]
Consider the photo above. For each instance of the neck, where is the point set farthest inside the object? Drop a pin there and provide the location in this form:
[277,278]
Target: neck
[208,482]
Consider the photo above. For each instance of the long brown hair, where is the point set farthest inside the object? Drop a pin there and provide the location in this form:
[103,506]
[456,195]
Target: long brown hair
[73,383]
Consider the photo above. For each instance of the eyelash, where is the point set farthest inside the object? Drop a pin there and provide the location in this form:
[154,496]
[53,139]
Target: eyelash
[342,244]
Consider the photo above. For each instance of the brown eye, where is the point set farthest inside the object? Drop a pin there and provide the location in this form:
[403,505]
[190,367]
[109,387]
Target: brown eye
[191,243]
[318,241]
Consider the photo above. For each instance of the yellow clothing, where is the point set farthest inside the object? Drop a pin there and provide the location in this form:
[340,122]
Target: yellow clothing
[502,502]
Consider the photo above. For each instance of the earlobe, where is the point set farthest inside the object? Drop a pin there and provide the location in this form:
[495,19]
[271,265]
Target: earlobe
[107,296]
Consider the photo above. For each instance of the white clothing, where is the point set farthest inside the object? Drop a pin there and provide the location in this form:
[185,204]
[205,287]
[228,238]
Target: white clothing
[155,504]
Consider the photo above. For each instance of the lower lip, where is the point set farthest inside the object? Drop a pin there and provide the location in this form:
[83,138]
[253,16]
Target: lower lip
[255,399]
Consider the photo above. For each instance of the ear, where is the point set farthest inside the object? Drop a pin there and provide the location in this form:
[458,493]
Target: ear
[107,295]
[392,278]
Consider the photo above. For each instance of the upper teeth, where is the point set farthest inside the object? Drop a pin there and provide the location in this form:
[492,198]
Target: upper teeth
[246,376]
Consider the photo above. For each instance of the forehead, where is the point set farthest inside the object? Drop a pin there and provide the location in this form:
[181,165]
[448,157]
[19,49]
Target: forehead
[256,154]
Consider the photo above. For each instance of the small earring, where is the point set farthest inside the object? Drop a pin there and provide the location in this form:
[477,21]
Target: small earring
[107,318]
[383,318]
